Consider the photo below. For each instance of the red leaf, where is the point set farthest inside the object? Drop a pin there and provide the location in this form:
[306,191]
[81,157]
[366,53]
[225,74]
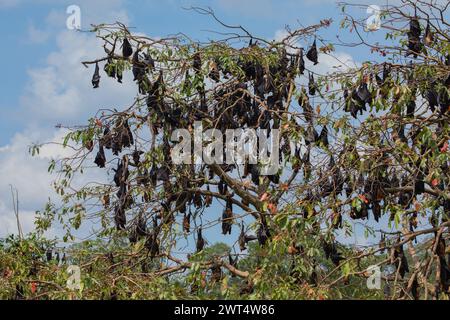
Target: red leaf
[33,287]
[434,182]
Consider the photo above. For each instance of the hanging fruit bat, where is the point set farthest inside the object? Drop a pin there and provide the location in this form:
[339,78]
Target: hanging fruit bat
[241,239]
[312,85]
[136,157]
[312,53]
[118,173]
[127,135]
[301,65]
[119,73]
[400,259]
[364,94]
[311,135]
[187,222]
[100,158]
[428,38]
[120,218]
[49,255]
[208,198]
[96,77]
[419,185]
[227,222]
[323,136]
[214,73]
[127,50]
[410,108]
[149,62]
[263,233]
[414,44]
[231,261]
[362,213]
[382,243]
[106,139]
[254,172]
[216,273]
[110,69]
[331,252]
[138,68]
[197,62]
[223,188]
[308,111]
[139,230]
[152,245]
[200,241]
[376,210]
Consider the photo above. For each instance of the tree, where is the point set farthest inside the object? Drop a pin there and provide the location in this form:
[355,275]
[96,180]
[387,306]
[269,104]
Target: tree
[357,144]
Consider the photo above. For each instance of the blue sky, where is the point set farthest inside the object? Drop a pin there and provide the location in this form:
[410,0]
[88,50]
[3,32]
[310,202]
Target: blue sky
[45,84]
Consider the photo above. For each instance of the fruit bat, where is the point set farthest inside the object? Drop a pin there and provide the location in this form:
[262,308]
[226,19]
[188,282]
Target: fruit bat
[323,136]
[200,241]
[415,289]
[410,108]
[231,261]
[301,65]
[100,158]
[216,273]
[400,259]
[331,252]
[152,245]
[96,77]
[139,231]
[136,157]
[223,188]
[311,85]
[414,44]
[227,222]
[162,174]
[121,173]
[127,135]
[413,222]
[148,61]
[361,213]
[263,233]
[376,210]
[49,255]
[119,73]
[363,93]
[241,239]
[138,68]
[428,38]
[386,72]
[106,140]
[127,50]
[110,69]
[432,98]
[419,185]
[187,222]
[247,289]
[312,53]
[382,243]
[208,198]
[311,135]
[118,173]
[120,217]
[254,172]
[197,62]
[214,73]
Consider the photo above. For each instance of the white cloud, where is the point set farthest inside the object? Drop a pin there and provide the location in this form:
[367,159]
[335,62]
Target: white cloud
[36,35]
[58,92]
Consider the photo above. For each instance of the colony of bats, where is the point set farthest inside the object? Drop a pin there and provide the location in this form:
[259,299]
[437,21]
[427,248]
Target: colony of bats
[260,97]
